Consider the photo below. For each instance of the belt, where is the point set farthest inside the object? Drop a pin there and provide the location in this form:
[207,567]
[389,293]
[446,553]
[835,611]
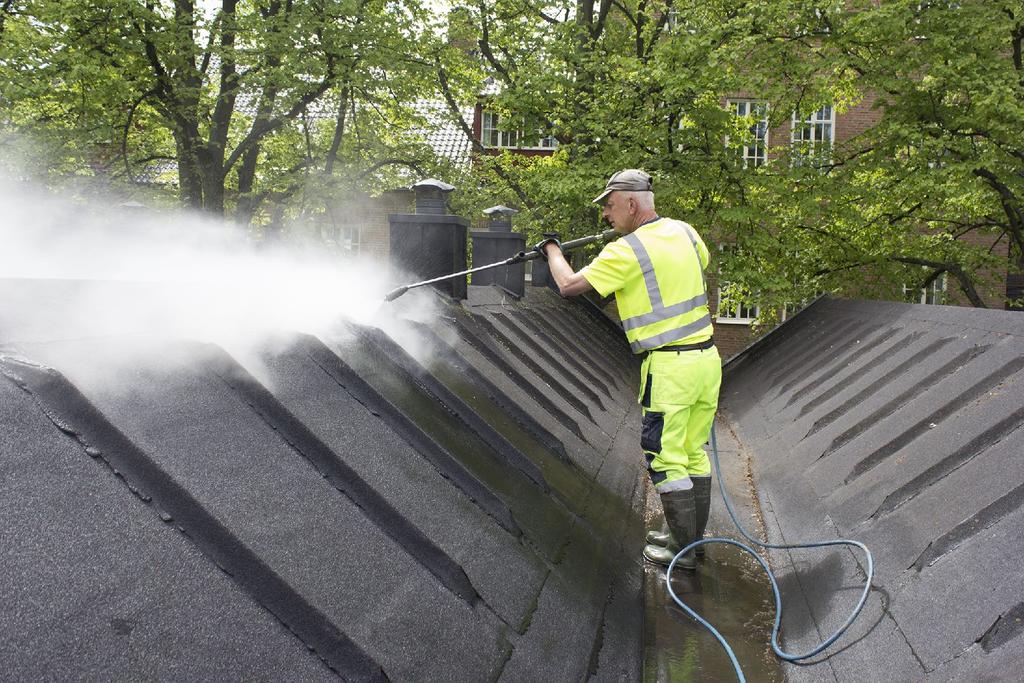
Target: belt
[699,346]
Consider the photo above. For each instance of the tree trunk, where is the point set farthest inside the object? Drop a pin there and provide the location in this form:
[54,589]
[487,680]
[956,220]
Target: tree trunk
[189,176]
[247,201]
[220,123]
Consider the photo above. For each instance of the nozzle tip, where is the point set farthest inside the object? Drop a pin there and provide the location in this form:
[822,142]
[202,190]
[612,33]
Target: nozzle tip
[395,293]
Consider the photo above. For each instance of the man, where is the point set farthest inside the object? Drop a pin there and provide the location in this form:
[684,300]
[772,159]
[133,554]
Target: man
[656,271]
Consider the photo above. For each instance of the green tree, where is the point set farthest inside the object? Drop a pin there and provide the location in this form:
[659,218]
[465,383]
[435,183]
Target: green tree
[948,154]
[643,83]
[255,102]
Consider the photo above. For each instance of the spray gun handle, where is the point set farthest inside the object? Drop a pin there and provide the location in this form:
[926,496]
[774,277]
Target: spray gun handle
[566,246]
[584,241]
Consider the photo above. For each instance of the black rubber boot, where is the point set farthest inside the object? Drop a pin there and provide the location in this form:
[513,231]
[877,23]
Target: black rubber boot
[681,516]
[659,537]
[702,503]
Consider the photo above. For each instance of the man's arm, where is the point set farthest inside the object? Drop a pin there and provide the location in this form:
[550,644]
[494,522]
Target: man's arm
[569,282]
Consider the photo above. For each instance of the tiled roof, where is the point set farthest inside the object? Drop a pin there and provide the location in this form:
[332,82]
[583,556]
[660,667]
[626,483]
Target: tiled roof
[443,133]
[157,172]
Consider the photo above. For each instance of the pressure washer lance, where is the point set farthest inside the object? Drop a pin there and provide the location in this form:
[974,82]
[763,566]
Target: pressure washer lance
[521,257]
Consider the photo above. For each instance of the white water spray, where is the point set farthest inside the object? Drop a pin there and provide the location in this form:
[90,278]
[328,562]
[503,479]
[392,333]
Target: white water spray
[70,270]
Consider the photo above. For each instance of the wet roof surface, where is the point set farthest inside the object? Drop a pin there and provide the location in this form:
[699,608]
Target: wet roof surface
[470,506]
[899,426]
[328,507]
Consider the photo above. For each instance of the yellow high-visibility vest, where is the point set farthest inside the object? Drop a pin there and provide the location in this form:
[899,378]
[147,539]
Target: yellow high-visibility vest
[657,274]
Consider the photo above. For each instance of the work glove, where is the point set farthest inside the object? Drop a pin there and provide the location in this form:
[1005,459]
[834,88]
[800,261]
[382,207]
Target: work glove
[549,238]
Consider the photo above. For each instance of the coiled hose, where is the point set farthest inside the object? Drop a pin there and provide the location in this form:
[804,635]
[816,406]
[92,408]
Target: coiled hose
[779,652]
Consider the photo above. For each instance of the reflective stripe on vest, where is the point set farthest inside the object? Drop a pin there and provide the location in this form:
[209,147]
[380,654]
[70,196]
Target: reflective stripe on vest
[670,336]
[659,311]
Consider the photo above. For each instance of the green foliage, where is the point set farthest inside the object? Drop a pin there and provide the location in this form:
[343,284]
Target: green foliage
[269,109]
[263,108]
[621,85]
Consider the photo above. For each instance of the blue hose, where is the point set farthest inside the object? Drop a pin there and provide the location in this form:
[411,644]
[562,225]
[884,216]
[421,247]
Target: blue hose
[779,652]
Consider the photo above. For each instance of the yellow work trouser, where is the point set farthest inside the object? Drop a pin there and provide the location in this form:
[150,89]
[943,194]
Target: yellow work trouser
[679,396]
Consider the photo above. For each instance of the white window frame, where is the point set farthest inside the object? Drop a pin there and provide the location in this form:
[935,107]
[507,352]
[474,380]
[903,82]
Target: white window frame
[491,137]
[735,315]
[808,135]
[676,22]
[672,21]
[933,295]
[342,230]
[350,237]
[756,154]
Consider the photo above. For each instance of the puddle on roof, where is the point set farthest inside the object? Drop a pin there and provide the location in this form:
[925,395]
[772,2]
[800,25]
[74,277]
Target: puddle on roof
[544,520]
[734,597]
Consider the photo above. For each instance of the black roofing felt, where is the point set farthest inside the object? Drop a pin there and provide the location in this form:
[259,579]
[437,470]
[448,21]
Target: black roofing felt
[333,507]
[96,586]
[899,426]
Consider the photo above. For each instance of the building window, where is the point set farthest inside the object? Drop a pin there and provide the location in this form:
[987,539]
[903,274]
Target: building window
[755,147]
[673,20]
[341,228]
[814,135]
[790,309]
[733,307]
[491,136]
[934,294]
[350,237]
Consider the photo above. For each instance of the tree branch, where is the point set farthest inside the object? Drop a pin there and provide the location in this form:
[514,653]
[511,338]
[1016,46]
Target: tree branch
[339,131]
[1017,38]
[641,6]
[260,129]
[602,19]
[1010,203]
[625,11]
[5,11]
[453,107]
[659,26]
[208,52]
[229,84]
[966,284]
[127,127]
[392,162]
[257,132]
[485,47]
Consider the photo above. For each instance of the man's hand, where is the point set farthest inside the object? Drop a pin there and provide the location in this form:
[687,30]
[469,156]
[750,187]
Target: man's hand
[550,238]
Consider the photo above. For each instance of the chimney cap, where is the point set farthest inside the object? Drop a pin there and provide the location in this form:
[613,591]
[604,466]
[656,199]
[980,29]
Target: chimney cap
[433,183]
[500,210]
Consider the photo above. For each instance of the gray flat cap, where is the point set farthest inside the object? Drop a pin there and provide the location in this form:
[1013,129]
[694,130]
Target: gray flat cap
[631,180]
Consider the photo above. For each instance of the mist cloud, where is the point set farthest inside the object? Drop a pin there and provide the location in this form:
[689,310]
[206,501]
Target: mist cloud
[71,270]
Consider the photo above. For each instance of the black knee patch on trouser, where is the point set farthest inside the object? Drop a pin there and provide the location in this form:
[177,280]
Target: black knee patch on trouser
[650,432]
[650,441]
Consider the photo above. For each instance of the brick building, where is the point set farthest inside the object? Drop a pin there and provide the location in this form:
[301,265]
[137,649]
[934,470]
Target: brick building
[735,322]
